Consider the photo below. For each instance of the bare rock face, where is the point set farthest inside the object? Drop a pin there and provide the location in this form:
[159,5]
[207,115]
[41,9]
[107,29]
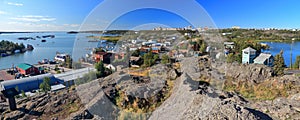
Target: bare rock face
[197,100]
[97,105]
[254,73]
[173,74]
[206,103]
[295,97]
[44,105]
[280,108]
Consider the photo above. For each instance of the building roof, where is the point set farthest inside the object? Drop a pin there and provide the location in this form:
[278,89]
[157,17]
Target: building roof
[248,49]
[101,53]
[24,66]
[57,87]
[73,74]
[26,83]
[132,58]
[228,43]
[155,48]
[262,58]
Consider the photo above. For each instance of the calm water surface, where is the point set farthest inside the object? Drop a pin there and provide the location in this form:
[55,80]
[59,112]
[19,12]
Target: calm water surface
[288,48]
[73,44]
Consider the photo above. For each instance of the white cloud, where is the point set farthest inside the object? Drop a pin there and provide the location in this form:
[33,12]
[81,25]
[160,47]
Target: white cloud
[34,18]
[72,25]
[32,26]
[2,12]
[15,4]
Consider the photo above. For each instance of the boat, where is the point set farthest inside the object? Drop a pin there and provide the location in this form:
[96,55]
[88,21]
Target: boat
[17,51]
[4,54]
[43,40]
[61,57]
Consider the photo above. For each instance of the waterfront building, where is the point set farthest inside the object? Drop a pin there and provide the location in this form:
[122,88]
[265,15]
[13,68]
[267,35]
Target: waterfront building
[27,69]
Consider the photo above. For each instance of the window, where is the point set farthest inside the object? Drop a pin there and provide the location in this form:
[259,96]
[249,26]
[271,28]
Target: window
[246,53]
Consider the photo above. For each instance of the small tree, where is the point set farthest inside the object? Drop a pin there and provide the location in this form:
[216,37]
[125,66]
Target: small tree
[99,66]
[203,47]
[297,63]
[45,85]
[279,64]
[23,94]
[230,58]
[69,62]
[165,59]
[136,53]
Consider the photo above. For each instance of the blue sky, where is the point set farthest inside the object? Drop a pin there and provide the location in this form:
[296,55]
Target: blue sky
[65,15]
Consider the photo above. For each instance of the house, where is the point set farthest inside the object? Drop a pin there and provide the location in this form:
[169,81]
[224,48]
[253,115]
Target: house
[135,61]
[111,67]
[264,58]
[119,56]
[27,69]
[103,56]
[155,50]
[229,45]
[248,55]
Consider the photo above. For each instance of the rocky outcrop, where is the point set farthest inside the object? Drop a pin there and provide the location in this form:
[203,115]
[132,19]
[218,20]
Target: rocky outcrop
[97,105]
[58,105]
[205,104]
[251,73]
[280,108]
[197,100]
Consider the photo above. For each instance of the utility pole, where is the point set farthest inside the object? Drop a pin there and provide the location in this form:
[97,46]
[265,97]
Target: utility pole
[291,58]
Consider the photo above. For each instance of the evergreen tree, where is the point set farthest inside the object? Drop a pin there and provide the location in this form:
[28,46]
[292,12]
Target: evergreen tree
[203,47]
[230,58]
[99,66]
[279,64]
[297,63]
[136,53]
[165,59]
[45,85]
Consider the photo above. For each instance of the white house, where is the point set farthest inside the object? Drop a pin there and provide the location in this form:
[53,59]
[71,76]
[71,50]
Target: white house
[111,67]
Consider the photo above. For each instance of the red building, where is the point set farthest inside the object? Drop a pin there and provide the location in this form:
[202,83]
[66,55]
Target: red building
[119,56]
[103,56]
[27,69]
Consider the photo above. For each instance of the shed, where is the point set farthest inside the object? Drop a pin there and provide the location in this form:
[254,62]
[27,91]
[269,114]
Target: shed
[264,58]
[229,45]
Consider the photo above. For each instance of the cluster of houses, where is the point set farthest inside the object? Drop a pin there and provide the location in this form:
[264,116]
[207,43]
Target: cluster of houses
[144,46]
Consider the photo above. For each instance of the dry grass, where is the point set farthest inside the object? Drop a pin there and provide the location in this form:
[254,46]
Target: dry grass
[267,90]
[139,72]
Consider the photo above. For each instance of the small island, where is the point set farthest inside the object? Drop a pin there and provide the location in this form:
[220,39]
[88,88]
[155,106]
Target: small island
[8,48]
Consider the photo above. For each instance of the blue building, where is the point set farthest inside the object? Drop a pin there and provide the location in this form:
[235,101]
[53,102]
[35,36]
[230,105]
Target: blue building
[29,83]
[249,54]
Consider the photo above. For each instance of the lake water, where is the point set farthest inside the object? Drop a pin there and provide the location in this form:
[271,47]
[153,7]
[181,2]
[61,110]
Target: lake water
[288,48]
[76,45]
